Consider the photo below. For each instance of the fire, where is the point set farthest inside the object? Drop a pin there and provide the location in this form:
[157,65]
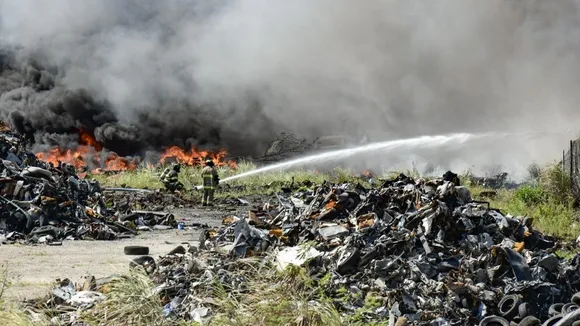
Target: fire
[55,155]
[89,153]
[116,163]
[79,157]
[196,157]
[87,139]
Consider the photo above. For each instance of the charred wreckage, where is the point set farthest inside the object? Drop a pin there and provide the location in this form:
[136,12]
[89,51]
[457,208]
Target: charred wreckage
[43,202]
[428,252]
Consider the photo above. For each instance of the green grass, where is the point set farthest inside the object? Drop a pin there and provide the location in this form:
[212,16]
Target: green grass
[547,199]
[277,298]
[129,301]
[264,183]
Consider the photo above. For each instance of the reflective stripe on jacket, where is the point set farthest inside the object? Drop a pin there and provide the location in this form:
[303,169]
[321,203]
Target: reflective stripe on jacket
[171,177]
[208,175]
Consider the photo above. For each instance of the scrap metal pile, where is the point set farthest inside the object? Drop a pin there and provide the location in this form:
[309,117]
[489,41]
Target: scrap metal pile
[429,252]
[40,202]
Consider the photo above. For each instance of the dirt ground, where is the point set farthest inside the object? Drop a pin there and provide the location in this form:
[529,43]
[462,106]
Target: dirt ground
[33,269]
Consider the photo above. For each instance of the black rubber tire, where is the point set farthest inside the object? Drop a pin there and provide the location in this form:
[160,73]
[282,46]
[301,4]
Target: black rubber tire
[523,310]
[348,261]
[136,250]
[508,306]
[513,323]
[177,250]
[568,308]
[576,299]
[494,321]
[129,217]
[555,309]
[142,260]
[147,262]
[530,321]
[576,323]
[553,320]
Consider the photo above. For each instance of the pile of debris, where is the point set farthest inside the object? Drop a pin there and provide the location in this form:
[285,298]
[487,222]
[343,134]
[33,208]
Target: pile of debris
[40,202]
[433,255]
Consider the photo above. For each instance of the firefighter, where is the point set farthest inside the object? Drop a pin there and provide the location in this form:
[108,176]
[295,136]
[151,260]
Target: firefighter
[210,179]
[170,180]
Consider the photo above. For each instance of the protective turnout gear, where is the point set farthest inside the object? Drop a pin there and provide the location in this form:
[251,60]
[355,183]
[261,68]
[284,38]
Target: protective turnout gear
[210,179]
[170,178]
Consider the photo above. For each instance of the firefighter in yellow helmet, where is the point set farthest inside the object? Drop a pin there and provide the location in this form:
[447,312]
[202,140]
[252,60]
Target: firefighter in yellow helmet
[210,181]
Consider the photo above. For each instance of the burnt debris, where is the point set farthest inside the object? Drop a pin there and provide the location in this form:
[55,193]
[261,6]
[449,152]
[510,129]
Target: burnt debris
[43,203]
[427,251]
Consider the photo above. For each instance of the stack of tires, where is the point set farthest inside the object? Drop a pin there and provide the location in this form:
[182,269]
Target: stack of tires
[514,312]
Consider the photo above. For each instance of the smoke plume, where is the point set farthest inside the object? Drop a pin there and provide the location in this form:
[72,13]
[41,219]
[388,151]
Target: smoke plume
[144,74]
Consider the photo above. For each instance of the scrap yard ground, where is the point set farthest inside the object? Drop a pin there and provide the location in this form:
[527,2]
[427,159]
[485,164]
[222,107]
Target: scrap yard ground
[33,269]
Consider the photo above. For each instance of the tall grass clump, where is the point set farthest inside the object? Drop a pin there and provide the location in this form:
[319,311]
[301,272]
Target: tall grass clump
[9,313]
[288,297]
[547,197]
[130,300]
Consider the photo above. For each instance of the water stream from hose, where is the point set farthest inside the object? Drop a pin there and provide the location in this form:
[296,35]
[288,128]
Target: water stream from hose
[430,141]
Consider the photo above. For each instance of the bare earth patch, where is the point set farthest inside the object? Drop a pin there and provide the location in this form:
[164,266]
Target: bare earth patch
[33,269]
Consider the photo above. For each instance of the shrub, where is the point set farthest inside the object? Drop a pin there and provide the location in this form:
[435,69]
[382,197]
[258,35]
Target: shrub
[530,195]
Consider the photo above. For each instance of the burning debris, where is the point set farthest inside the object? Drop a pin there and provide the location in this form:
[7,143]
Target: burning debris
[424,249]
[89,152]
[47,202]
[91,155]
[196,157]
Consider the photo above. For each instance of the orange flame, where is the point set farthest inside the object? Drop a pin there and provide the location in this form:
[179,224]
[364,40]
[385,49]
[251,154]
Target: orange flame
[87,139]
[78,157]
[56,155]
[196,157]
[90,147]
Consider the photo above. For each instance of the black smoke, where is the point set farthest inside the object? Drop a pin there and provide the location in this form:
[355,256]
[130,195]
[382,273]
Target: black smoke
[36,104]
[145,74]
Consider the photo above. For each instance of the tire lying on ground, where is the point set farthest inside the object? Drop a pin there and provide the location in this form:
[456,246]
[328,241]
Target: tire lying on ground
[136,250]
[177,250]
[530,321]
[568,308]
[147,262]
[523,310]
[129,217]
[508,306]
[494,321]
[553,320]
[576,299]
[555,309]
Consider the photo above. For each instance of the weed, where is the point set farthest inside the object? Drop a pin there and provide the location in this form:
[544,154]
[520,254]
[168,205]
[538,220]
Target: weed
[129,301]
[10,314]
[530,195]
